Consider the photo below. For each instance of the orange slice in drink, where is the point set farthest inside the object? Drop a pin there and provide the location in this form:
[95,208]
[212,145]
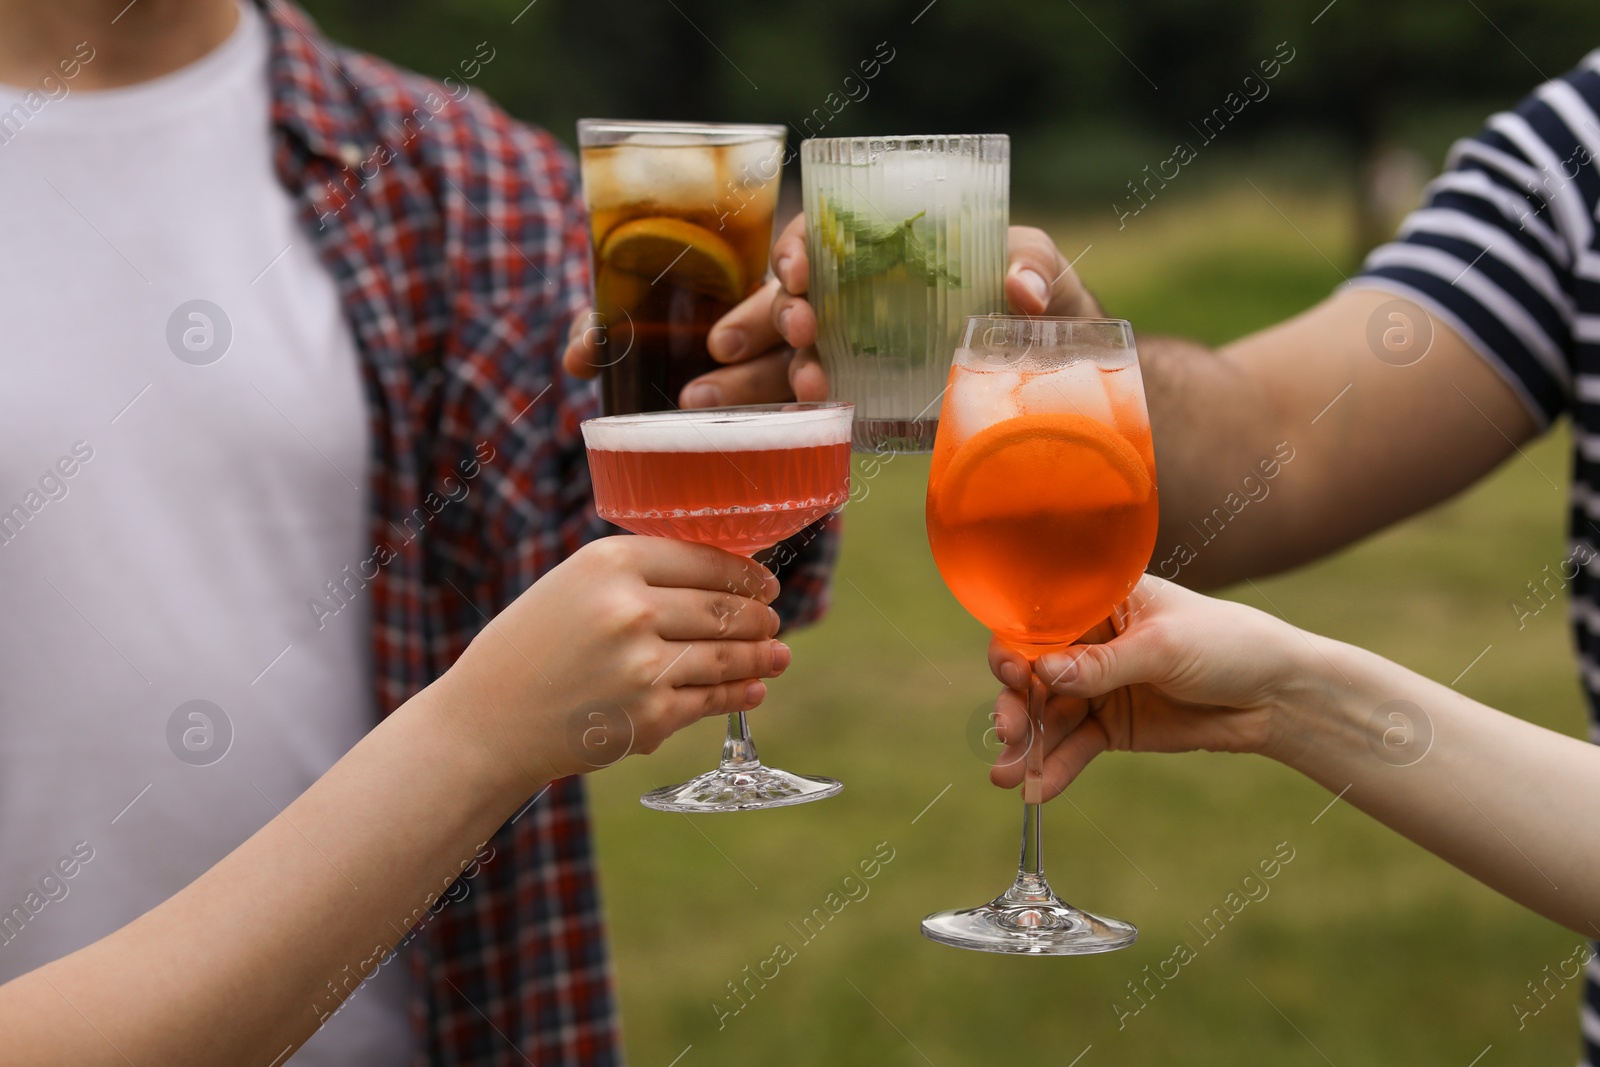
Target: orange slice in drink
[691,256]
[617,291]
[1032,464]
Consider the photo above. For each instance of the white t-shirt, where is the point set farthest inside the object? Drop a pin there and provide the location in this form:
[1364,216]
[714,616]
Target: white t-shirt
[165,515]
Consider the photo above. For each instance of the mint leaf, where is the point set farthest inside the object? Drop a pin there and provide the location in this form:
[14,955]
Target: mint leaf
[876,248]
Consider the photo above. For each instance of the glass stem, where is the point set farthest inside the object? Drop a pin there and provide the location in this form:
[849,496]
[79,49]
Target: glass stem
[1030,883]
[739,751]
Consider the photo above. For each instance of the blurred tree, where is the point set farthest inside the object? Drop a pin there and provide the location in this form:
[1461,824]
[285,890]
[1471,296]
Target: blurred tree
[1092,89]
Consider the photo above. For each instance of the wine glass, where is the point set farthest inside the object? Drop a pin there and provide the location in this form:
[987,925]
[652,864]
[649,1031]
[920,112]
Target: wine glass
[742,479]
[1041,515]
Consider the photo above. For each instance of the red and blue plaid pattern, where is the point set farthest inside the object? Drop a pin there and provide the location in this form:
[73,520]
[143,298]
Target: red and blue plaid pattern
[457,240]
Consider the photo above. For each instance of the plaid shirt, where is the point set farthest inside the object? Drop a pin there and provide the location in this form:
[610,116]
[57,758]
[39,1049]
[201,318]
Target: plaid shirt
[456,238]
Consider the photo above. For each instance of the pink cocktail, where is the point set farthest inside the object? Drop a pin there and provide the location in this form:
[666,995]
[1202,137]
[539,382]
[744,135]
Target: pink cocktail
[741,497]
[741,479]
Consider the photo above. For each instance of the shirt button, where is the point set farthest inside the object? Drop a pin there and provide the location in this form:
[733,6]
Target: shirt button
[350,154]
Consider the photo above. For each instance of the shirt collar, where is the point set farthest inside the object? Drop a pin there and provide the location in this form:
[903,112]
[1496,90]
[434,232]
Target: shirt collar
[312,95]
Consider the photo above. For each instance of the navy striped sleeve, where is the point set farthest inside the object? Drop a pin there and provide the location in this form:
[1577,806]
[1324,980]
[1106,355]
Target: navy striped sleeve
[1503,247]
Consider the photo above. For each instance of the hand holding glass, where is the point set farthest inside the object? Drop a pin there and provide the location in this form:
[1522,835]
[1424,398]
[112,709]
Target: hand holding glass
[1041,515]
[742,479]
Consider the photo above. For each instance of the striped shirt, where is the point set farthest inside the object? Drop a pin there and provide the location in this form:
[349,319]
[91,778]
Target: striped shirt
[1506,249]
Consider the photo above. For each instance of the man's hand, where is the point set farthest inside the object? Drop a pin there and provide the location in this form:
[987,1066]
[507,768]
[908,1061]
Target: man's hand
[768,342]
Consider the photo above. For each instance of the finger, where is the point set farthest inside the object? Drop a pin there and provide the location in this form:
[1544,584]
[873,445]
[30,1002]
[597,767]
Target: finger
[763,380]
[1008,665]
[794,319]
[1011,667]
[1011,717]
[1069,759]
[747,330]
[1062,717]
[581,357]
[1040,281]
[807,380]
[1032,263]
[700,615]
[691,703]
[789,262]
[666,563]
[1093,670]
[1064,759]
[715,662]
[1063,762]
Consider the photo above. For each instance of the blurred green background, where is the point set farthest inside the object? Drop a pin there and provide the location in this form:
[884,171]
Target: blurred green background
[1367,950]
[1092,91]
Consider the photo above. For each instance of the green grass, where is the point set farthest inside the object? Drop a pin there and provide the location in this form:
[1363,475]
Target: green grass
[1367,950]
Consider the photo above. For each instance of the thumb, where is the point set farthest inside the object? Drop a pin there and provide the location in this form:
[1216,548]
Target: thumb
[1094,670]
[581,358]
[1039,280]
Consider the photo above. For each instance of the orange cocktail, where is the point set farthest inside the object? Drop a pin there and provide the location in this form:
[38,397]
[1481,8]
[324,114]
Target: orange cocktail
[1041,516]
[1041,500]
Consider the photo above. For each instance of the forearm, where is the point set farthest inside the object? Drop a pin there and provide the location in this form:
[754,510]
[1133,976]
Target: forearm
[1512,804]
[1217,434]
[246,962]
[1295,441]
[1251,479]
[268,942]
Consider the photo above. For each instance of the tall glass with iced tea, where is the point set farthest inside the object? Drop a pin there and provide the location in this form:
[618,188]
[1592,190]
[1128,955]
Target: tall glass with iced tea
[680,224]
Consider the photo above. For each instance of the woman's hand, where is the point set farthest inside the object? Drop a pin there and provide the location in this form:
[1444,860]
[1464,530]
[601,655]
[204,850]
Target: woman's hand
[768,341]
[627,641]
[647,634]
[1171,671]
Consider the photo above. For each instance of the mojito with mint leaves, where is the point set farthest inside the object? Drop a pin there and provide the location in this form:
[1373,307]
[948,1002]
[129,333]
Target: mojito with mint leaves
[906,238]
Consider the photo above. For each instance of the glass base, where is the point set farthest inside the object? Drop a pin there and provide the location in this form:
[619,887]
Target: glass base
[874,437]
[740,789]
[1030,920]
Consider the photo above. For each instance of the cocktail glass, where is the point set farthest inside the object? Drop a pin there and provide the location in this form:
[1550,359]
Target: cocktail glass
[1041,515]
[680,223]
[906,237]
[742,479]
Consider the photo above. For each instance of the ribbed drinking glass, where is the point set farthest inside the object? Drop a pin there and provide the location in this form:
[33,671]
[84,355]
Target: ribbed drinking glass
[906,238]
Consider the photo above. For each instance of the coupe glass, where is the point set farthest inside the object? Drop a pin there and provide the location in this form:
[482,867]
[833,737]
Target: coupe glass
[742,479]
[1041,515]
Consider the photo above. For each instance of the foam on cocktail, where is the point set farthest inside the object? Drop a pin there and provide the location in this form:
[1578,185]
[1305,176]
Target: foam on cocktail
[719,431]
[741,479]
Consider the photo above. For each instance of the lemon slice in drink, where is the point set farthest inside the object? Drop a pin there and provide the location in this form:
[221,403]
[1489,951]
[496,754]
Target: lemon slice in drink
[691,256]
[1034,464]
